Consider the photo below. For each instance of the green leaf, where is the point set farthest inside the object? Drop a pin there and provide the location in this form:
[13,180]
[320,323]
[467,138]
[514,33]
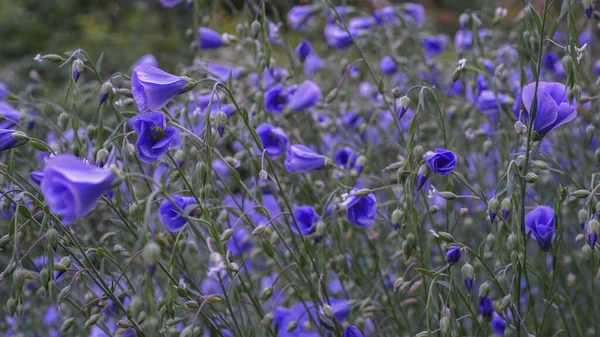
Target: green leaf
[536,19]
[427,272]
[99,63]
[563,9]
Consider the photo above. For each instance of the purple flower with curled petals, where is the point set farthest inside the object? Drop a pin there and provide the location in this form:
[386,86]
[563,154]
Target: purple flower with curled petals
[301,159]
[553,110]
[303,49]
[498,325]
[306,218]
[440,161]
[273,139]
[10,116]
[209,39]
[352,331]
[305,97]
[361,211]
[298,17]
[170,211]
[540,222]
[153,88]
[146,59]
[154,136]
[453,255]
[71,187]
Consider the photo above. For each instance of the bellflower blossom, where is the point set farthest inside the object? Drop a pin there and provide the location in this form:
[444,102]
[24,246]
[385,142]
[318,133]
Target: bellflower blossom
[303,49]
[313,64]
[169,212]
[352,331]
[153,88]
[386,15]
[388,66]
[154,136]
[440,161]
[10,116]
[305,97]
[553,109]
[146,59]
[8,139]
[361,211]
[209,39]
[273,139]
[72,188]
[540,223]
[306,218]
[415,13]
[453,254]
[298,17]
[301,159]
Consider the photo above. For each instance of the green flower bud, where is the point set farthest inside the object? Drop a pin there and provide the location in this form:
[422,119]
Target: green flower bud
[445,324]
[397,216]
[448,195]
[63,121]
[18,277]
[328,311]
[419,152]
[151,253]
[92,320]
[255,28]
[590,131]
[531,177]
[64,294]
[580,194]
[446,237]
[494,205]
[11,306]
[267,319]
[291,326]
[434,209]
[5,239]
[67,324]
[468,271]
[484,290]
[226,234]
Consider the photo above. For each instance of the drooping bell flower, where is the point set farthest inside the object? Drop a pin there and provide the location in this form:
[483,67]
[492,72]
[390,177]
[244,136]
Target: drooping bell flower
[306,218]
[346,158]
[146,59]
[361,211]
[352,331]
[540,223]
[304,49]
[301,159]
[153,88]
[553,110]
[388,66]
[433,45]
[468,273]
[498,325]
[422,177]
[169,214]
[273,139]
[272,76]
[154,136]
[77,69]
[209,39]
[490,104]
[453,255]
[305,97]
[440,161]
[298,17]
[486,307]
[71,187]
[10,116]
[10,139]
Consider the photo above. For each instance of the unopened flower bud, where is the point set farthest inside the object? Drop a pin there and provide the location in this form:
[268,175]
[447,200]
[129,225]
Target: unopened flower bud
[226,234]
[531,177]
[520,127]
[506,300]
[586,252]
[266,294]
[267,320]
[92,320]
[255,28]
[152,253]
[77,69]
[484,290]
[67,324]
[434,209]
[331,96]
[291,326]
[580,194]
[328,310]
[445,324]
[105,91]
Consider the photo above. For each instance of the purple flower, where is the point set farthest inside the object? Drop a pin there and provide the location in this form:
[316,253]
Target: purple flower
[360,25]
[433,45]
[301,159]
[10,116]
[72,188]
[7,139]
[221,73]
[388,66]
[146,59]
[306,218]
[490,104]
[540,222]
[498,325]
[386,15]
[276,98]
[361,211]
[209,39]
[304,49]
[453,255]
[440,161]
[341,10]
[170,213]
[486,307]
[352,331]
[274,33]
[463,39]
[153,88]
[299,16]
[240,242]
[415,13]
[313,64]
[593,238]
[272,76]
[337,37]
[273,139]
[597,68]
[553,110]
[346,158]
[161,174]
[154,136]
[3,91]
[305,97]
[170,3]
[298,313]
[36,177]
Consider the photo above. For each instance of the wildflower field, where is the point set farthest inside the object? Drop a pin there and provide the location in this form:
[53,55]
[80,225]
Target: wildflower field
[325,168]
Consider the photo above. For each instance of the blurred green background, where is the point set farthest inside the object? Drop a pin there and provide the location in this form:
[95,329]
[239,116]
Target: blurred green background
[128,29]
